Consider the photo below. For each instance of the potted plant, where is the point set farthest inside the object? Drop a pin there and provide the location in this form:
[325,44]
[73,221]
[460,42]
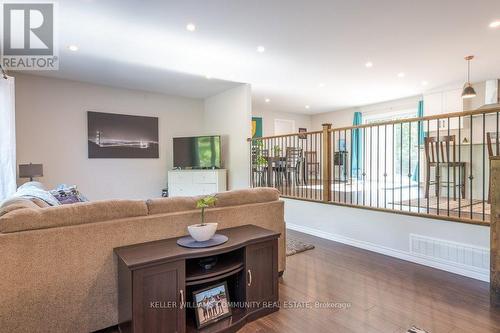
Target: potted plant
[203,231]
[277,150]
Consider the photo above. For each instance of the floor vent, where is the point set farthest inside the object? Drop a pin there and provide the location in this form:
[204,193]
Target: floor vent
[457,254]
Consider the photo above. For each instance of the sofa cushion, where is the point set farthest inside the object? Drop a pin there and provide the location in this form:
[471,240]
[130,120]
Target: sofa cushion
[224,199]
[247,196]
[171,205]
[66,215]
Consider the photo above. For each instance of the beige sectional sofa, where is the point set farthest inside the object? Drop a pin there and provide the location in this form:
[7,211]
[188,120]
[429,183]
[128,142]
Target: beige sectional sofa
[58,272]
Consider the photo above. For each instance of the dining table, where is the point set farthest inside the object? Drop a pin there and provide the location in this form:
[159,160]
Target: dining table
[280,162]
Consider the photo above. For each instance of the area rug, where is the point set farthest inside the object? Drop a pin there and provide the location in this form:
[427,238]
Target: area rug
[415,329]
[294,246]
[478,208]
[443,203]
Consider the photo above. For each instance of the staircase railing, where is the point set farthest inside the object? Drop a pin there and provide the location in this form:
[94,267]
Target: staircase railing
[434,166]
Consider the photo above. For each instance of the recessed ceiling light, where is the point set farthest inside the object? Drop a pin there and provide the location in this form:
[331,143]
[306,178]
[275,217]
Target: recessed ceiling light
[261,49]
[190,27]
[369,64]
[73,48]
[267,100]
[402,74]
[321,85]
[424,83]
[495,24]
[307,107]
[208,77]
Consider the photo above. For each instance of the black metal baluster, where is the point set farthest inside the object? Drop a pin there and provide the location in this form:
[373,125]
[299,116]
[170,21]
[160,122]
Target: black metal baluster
[401,166]
[393,166]
[251,164]
[419,124]
[364,164]
[438,170]
[484,162]
[332,169]
[385,166]
[275,163]
[460,168]
[333,163]
[282,166]
[428,170]
[448,169]
[470,172]
[371,153]
[321,150]
[358,132]
[350,171]
[286,187]
[299,167]
[378,159]
[344,169]
[409,165]
[318,157]
[307,172]
[302,168]
[294,145]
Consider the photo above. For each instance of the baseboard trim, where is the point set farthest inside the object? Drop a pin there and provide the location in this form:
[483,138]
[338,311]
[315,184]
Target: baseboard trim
[472,272]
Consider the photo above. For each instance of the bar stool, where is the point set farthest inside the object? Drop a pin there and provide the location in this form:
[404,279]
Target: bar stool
[438,154]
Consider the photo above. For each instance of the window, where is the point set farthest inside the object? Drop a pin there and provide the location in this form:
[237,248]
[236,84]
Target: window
[394,143]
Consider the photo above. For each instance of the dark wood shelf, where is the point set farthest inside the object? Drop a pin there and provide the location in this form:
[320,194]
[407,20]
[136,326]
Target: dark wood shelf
[195,272]
[215,277]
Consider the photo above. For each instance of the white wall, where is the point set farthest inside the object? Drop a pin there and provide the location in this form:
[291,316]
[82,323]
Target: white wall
[383,232]
[51,126]
[268,117]
[342,118]
[229,114]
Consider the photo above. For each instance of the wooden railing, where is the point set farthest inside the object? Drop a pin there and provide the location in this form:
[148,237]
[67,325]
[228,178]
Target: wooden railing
[434,166]
[495,232]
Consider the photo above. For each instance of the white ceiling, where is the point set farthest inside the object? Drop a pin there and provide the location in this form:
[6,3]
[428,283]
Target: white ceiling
[145,45]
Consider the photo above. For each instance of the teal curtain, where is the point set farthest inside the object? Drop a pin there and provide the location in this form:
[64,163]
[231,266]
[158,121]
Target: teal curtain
[356,147]
[421,136]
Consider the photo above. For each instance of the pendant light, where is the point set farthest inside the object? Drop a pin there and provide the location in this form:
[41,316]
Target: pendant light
[468,91]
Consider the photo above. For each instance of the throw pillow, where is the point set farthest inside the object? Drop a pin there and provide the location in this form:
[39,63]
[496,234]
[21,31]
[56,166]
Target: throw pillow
[68,194]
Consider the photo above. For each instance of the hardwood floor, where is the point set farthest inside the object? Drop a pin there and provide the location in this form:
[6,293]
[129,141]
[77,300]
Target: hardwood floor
[385,295]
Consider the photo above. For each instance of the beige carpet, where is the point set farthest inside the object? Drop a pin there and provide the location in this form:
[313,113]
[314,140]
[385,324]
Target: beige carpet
[432,202]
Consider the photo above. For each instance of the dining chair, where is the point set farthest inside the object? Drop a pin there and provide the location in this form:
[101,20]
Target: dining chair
[441,153]
[293,158]
[312,164]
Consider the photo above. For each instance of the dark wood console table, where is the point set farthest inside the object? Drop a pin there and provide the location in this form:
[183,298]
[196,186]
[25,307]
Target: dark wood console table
[156,279]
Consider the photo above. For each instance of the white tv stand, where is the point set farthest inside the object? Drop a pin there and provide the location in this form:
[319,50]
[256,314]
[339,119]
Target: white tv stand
[196,182]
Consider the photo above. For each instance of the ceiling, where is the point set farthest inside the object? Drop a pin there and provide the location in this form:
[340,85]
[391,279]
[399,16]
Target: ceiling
[315,51]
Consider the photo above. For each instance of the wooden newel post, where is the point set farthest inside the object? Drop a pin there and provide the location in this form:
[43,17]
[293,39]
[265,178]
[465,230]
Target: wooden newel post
[326,162]
[495,232]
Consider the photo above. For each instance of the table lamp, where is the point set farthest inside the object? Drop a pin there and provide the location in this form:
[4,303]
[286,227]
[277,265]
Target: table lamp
[30,171]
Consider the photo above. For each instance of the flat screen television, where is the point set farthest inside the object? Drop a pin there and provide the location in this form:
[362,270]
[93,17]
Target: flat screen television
[198,152]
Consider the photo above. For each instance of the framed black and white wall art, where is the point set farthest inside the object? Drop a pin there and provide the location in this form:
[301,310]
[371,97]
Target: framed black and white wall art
[113,135]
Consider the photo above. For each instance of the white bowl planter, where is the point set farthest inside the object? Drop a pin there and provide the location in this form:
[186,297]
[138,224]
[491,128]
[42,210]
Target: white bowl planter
[202,233]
